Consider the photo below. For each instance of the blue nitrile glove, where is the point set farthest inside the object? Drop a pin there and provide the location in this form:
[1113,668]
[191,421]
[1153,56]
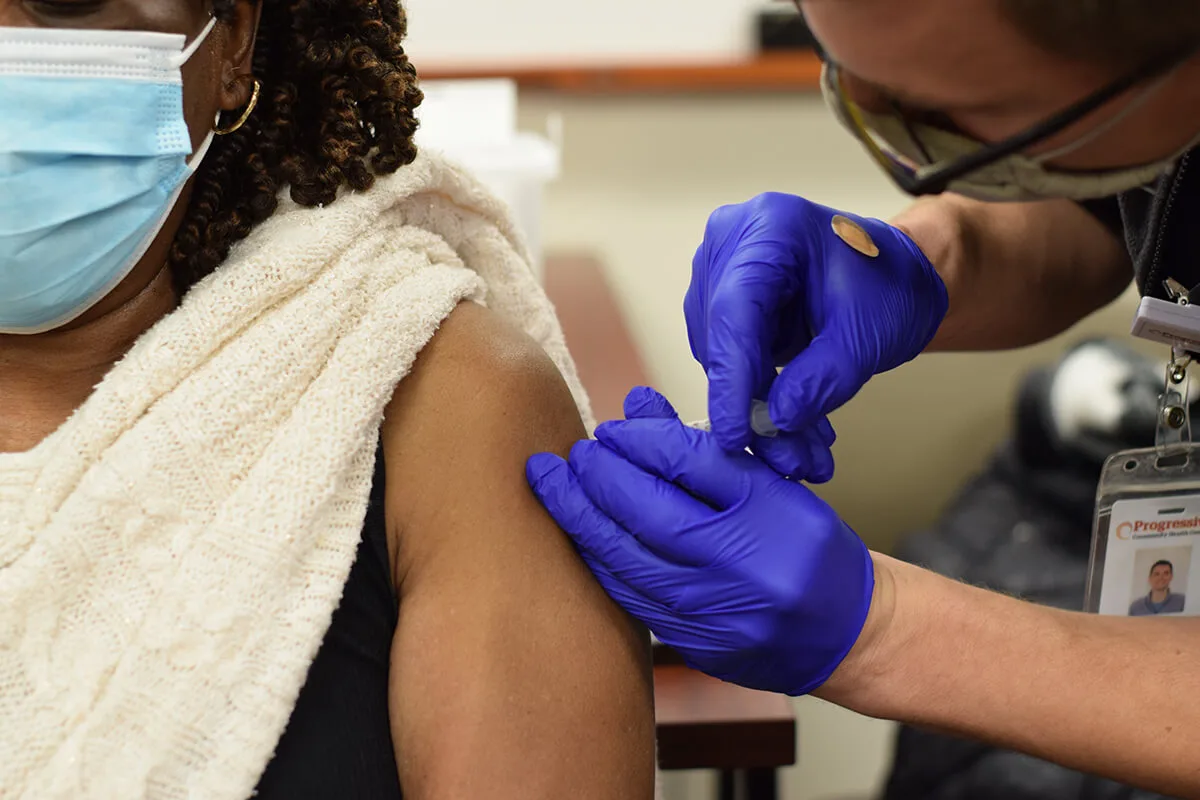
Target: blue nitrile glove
[750,576]
[773,285]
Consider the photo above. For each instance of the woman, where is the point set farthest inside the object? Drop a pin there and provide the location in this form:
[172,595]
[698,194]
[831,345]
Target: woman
[225,414]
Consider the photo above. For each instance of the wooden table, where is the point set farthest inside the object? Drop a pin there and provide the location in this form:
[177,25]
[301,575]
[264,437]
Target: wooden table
[703,723]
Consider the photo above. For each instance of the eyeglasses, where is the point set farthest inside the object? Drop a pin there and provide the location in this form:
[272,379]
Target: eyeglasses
[928,176]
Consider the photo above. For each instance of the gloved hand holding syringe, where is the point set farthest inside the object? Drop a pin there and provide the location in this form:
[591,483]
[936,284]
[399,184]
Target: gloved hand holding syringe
[760,421]
[792,308]
[805,456]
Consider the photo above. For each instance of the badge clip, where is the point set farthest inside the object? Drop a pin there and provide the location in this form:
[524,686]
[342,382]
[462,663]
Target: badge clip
[1173,433]
[1174,322]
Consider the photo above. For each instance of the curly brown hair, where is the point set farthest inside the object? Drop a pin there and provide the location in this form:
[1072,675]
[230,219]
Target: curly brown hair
[336,109]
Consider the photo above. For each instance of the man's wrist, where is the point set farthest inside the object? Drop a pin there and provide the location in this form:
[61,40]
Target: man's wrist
[939,230]
[857,681]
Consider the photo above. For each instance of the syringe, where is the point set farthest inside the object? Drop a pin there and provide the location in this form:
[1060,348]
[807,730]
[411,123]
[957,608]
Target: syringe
[760,421]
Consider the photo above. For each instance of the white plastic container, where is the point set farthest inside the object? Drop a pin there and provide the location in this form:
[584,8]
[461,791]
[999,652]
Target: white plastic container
[474,122]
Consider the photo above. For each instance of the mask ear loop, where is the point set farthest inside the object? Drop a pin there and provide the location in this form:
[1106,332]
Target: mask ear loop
[177,62]
[1106,126]
[193,163]
[190,50]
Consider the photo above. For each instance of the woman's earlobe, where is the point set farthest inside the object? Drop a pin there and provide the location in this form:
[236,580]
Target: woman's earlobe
[236,85]
[245,92]
[229,85]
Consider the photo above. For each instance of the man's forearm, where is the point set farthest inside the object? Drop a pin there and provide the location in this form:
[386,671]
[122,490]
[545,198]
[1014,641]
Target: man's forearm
[1117,697]
[1017,273]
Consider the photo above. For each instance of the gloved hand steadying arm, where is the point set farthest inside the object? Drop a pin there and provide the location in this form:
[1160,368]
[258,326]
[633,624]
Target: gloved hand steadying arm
[773,285]
[750,576]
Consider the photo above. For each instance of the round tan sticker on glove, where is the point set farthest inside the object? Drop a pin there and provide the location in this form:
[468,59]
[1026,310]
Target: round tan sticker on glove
[852,234]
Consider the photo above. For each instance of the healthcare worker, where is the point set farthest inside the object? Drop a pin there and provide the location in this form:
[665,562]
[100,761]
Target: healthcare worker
[1055,106]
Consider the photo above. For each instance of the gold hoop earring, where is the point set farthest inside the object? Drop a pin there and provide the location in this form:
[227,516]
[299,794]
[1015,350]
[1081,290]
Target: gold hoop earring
[237,126]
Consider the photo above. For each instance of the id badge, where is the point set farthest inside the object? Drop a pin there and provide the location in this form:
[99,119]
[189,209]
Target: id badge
[1145,559]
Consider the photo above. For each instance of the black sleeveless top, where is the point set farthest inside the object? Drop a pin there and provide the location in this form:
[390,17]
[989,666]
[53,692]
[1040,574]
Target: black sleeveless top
[338,742]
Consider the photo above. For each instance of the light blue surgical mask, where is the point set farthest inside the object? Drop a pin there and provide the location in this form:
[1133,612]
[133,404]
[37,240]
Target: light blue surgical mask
[93,157]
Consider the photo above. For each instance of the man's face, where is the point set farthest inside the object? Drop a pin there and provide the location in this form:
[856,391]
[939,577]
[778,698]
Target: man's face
[1160,578]
[963,60]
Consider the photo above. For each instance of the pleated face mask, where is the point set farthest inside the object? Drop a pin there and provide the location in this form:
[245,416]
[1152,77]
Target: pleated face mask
[94,153]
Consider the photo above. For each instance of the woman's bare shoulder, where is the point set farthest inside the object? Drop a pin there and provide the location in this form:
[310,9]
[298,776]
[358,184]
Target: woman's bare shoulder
[482,397]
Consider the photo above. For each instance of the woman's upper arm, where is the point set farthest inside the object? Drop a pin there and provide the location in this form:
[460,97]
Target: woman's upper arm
[513,674]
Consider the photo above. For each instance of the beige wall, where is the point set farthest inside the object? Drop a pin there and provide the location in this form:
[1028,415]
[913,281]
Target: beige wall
[640,178]
[549,31]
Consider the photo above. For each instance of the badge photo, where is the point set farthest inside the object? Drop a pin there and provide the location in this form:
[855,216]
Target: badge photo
[1146,536]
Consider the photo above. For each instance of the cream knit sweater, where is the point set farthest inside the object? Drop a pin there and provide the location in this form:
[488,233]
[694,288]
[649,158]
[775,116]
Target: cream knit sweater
[171,557]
